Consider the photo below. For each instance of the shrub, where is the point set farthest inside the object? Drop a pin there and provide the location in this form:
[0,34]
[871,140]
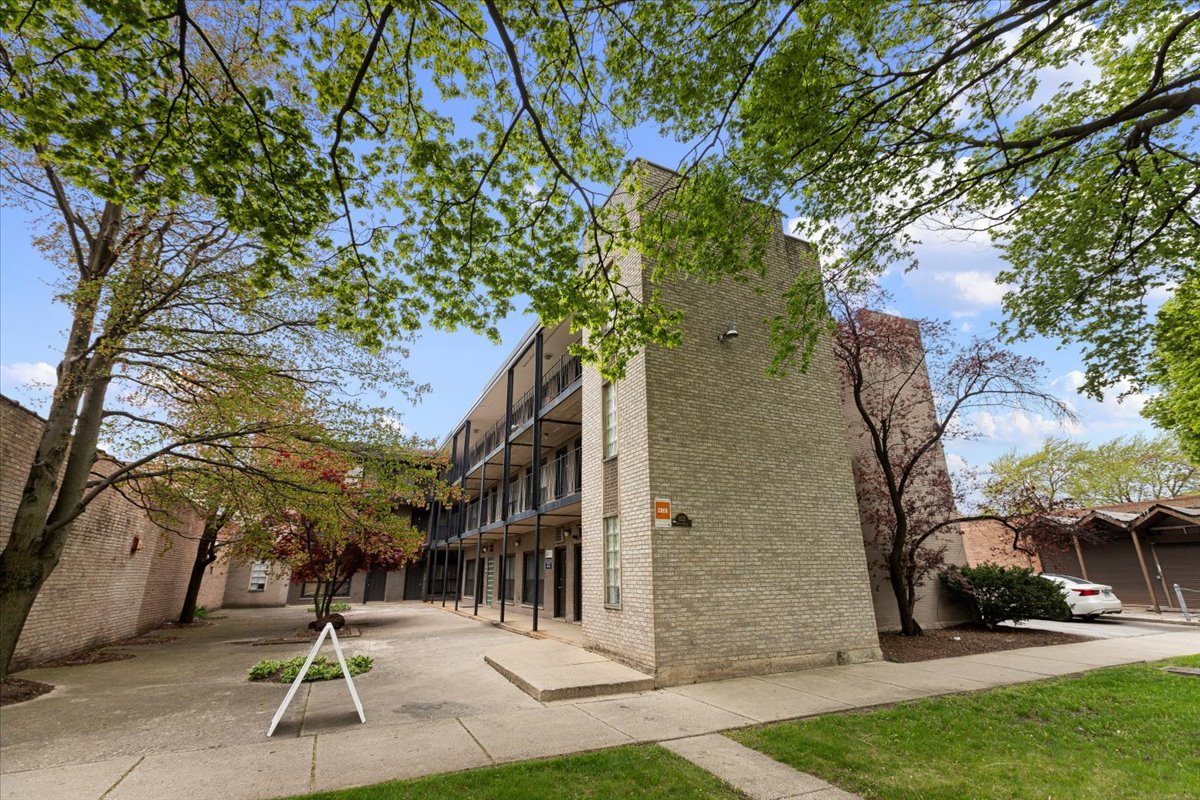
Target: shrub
[201,613]
[320,670]
[1005,593]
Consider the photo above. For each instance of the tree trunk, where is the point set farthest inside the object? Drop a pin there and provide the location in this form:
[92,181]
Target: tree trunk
[206,553]
[22,578]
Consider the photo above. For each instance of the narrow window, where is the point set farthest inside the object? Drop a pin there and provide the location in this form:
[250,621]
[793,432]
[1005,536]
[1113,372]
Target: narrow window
[510,574]
[258,576]
[610,420]
[529,578]
[612,561]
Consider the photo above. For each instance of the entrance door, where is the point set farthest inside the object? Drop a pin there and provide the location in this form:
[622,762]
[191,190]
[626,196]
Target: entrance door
[578,582]
[560,581]
[376,583]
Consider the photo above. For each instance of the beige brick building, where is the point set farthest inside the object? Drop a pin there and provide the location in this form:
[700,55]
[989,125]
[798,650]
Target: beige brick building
[758,566]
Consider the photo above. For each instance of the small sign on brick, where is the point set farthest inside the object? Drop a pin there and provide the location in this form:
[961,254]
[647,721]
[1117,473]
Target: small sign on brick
[662,512]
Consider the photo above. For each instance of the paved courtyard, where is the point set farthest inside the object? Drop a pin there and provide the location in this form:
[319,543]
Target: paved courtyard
[180,720]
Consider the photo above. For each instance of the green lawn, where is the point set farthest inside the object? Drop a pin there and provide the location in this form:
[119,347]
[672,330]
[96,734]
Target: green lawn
[1128,732]
[645,771]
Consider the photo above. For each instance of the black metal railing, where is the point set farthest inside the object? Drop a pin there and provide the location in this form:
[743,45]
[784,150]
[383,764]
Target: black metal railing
[562,374]
[561,477]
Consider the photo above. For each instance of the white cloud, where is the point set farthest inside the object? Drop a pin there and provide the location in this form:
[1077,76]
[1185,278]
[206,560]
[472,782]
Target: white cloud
[965,327]
[1020,428]
[393,423]
[39,375]
[979,288]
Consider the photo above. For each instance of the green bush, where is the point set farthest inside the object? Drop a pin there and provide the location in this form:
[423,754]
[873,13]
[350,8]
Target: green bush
[999,593]
[333,609]
[201,613]
[320,670]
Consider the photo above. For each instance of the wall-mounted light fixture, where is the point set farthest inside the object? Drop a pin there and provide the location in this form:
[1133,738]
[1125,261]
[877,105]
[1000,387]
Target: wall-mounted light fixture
[730,333]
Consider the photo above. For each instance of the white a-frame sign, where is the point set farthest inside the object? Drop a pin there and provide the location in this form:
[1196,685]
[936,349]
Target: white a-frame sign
[337,648]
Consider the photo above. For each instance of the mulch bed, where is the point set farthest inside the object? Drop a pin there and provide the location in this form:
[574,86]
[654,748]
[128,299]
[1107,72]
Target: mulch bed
[97,656]
[304,635]
[18,690]
[136,640]
[967,640]
[196,623]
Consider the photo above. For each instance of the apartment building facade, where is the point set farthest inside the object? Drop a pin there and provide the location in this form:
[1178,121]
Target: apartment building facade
[696,517]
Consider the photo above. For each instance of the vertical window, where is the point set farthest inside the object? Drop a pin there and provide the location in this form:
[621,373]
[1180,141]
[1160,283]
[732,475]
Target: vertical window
[258,576]
[610,419]
[612,561]
[529,578]
[510,575]
[469,578]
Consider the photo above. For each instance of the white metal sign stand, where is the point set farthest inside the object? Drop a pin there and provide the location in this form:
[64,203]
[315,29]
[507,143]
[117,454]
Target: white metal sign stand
[337,648]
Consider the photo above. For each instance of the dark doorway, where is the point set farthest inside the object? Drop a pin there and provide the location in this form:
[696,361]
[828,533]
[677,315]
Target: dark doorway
[414,575]
[578,582]
[560,581]
[376,583]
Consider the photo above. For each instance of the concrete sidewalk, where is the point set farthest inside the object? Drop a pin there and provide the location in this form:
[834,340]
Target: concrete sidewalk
[432,706]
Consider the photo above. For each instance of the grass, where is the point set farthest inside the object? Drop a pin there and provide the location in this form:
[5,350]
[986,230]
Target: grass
[642,771]
[1127,732]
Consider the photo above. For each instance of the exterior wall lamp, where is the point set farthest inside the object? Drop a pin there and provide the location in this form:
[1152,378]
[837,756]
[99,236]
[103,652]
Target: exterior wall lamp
[730,333]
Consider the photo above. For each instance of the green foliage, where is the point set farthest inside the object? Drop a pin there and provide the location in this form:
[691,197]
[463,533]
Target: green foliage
[1067,473]
[885,120]
[1175,370]
[321,669]
[1122,734]
[201,613]
[998,594]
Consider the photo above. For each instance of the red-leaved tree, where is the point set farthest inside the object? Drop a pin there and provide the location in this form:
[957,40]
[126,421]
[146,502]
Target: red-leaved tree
[338,515]
[907,388]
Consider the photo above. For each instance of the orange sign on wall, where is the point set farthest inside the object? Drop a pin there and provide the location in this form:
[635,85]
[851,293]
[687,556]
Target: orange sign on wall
[662,512]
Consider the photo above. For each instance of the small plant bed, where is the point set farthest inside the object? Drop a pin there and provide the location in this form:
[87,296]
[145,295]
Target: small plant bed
[333,609]
[1124,733]
[322,669]
[967,640]
[97,656]
[18,690]
[643,771]
[302,635]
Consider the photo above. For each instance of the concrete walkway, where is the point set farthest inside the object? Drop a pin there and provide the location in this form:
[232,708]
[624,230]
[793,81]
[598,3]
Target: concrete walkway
[755,775]
[181,721]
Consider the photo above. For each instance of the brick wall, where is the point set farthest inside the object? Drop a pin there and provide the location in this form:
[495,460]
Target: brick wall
[771,575]
[987,541]
[100,591]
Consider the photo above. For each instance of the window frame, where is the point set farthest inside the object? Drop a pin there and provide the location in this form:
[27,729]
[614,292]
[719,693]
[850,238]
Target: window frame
[608,420]
[612,561]
[255,567]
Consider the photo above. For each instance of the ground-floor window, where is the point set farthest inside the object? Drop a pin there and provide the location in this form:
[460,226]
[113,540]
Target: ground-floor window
[309,589]
[529,577]
[510,577]
[612,561]
[258,576]
[469,578]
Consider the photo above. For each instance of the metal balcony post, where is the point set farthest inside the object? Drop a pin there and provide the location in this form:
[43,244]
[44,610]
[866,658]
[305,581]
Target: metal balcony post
[537,477]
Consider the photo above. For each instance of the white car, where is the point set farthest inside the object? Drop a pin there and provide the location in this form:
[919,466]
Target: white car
[1084,598]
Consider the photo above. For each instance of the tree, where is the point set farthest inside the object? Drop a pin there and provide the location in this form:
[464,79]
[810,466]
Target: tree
[1175,370]
[909,390]
[339,517]
[885,119]
[1127,469]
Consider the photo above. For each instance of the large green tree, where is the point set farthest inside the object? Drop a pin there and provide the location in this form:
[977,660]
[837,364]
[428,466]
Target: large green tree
[1068,473]
[1175,370]
[1063,132]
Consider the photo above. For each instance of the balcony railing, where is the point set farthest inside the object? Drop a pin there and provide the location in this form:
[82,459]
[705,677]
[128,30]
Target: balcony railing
[561,477]
[562,374]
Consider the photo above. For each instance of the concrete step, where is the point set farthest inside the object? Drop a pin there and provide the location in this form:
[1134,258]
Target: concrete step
[547,670]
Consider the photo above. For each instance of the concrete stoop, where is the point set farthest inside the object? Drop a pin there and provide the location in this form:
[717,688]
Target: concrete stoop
[547,670]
